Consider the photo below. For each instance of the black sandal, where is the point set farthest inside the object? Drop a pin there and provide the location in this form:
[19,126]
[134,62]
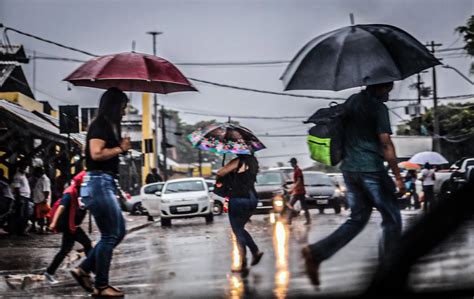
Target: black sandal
[83,279]
[107,291]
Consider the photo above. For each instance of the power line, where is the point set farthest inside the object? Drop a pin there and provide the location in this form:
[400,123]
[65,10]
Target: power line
[226,85]
[43,40]
[281,156]
[264,91]
[40,90]
[282,135]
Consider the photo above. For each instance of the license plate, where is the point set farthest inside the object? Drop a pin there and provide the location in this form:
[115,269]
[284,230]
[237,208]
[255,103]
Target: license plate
[183,209]
[259,204]
[322,201]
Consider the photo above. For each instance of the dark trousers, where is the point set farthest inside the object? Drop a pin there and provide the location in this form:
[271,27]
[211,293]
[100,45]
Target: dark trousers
[428,191]
[304,206]
[240,211]
[66,246]
[18,220]
[365,190]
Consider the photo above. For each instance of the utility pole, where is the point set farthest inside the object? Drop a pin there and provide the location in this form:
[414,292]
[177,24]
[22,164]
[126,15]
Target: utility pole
[200,162]
[154,34]
[34,71]
[436,139]
[164,142]
[418,88]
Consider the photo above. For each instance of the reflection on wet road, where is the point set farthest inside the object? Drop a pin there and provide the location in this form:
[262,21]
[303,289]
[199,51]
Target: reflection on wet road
[280,243]
[193,259]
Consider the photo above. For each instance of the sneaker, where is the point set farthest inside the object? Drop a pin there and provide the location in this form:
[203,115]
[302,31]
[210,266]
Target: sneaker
[50,278]
[107,291]
[311,266]
[256,258]
[83,279]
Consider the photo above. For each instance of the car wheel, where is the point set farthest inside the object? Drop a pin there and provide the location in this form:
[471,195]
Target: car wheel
[217,209]
[321,210]
[138,209]
[209,218]
[337,209]
[165,222]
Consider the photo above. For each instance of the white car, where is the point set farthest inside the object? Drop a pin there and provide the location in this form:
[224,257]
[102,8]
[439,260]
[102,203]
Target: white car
[135,204]
[181,198]
[219,202]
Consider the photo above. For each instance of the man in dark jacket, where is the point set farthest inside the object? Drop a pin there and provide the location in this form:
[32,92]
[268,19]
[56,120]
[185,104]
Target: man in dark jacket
[367,144]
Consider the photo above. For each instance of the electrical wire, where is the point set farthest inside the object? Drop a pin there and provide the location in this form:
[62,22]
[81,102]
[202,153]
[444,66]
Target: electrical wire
[227,85]
[281,156]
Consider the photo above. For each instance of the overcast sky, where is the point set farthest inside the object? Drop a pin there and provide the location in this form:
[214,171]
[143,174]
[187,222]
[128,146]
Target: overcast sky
[226,31]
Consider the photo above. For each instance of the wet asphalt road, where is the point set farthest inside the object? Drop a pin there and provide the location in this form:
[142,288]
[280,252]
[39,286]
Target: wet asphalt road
[192,259]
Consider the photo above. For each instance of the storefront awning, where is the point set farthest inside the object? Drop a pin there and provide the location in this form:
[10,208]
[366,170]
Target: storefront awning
[23,119]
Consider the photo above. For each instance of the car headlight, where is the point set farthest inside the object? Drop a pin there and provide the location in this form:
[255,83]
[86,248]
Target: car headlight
[278,201]
[165,200]
[337,193]
[203,198]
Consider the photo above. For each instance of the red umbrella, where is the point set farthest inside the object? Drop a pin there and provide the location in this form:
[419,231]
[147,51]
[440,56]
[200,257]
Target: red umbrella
[131,72]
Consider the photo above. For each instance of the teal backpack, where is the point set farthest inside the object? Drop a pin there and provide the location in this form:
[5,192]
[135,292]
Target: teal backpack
[326,138]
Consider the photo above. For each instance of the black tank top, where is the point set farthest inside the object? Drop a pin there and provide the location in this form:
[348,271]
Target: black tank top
[244,182]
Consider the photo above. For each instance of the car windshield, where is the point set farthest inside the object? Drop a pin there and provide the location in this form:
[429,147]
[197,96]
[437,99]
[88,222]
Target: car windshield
[317,179]
[186,186]
[152,189]
[269,178]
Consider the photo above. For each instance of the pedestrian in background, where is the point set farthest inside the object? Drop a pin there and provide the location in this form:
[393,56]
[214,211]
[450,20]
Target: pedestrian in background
[298,192]
[67,218]
[410,183]
[427,180]
[153,177]
[242,203]
[104,144]
[367,144]
[41,198]
[23,204]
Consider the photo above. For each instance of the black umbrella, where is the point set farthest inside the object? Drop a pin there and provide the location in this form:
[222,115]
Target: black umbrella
[357,55]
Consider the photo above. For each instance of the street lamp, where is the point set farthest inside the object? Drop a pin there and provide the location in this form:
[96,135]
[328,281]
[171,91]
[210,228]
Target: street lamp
[154,34]
[459,72]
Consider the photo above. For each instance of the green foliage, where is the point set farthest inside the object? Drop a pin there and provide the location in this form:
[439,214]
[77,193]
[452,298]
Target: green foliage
[186,152]
[456,126]
[454,120]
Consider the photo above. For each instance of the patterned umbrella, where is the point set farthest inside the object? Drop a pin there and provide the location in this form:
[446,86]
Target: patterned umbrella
[226,139]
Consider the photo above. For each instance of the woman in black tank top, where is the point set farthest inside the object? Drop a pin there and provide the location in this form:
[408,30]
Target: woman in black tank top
[242,203]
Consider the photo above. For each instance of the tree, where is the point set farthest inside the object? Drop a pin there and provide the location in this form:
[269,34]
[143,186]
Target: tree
[456,129]
[468,34]
[185,151]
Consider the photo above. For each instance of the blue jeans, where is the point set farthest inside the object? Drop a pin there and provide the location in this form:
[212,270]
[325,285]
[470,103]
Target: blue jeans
[240,211]
[365,190]
[99,197]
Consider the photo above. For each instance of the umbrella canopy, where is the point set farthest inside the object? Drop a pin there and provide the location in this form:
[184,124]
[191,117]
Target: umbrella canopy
[428,157]
[226,139]
[357,55]
[131,72]
[409,165]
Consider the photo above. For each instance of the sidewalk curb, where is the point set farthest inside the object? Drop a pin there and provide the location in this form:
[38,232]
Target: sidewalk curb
[138,227]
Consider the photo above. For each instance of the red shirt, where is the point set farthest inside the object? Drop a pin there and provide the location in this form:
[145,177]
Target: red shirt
[299,187]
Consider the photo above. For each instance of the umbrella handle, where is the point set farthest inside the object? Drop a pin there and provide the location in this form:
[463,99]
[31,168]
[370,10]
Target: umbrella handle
[223,161]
